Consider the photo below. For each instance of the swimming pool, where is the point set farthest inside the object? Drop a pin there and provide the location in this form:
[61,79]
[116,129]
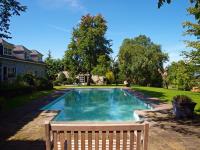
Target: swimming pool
[96,105]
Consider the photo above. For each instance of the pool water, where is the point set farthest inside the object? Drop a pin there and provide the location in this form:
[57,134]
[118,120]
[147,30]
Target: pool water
[96,105]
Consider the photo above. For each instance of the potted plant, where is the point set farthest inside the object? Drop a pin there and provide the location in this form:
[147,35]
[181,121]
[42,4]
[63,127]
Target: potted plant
[183,106]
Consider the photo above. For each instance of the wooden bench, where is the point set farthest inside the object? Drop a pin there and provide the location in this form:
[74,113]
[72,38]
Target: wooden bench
[96,136]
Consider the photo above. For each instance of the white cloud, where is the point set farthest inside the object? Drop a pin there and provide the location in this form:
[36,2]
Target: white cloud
[72,4]
[58,28]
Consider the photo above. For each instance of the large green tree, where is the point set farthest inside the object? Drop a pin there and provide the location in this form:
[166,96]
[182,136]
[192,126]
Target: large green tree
[181,75]
[8,8]
[140,59]
[87,44]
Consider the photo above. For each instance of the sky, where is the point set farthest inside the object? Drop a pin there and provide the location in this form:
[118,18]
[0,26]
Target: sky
[47,24]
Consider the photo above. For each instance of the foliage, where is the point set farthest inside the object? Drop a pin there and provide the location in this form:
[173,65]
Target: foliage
[192,28]
[24,84]
[116,71]
[87,44]
[110,77]
[43,84]
[103,65]
[8,9]
[181,75]
[182,99]
[140,59]
[161,2]
[56,83]
[53,66]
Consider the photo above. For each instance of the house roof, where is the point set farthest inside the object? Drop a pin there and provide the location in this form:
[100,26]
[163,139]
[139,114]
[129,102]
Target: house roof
[20,48]
[35,52]
[2,41]
[21,60]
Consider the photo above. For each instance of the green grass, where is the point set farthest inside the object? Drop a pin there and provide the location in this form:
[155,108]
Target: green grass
[168,94]
[11,103]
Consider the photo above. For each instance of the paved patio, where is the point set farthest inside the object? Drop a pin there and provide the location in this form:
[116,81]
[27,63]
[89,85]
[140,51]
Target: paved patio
[23,128]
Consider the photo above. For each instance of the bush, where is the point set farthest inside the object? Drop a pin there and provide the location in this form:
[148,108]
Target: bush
[43,84]
[29,79]
[24,85]
[69,81]
[15,88]
[56,83]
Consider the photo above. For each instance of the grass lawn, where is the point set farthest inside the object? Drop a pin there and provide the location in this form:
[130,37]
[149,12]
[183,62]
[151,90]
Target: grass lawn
[168,94]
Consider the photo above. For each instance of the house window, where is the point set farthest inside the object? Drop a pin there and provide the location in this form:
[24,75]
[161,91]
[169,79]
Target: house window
[11,72]
[7,51]
[27,56]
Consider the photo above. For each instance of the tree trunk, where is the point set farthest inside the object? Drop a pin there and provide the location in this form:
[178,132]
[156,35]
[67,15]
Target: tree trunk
[89,79]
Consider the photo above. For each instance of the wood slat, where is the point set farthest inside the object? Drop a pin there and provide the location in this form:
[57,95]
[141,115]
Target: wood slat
[132,140]
[82,140]
[68,140]
[117,140]
[47,135]
[103,140]
[138,141]
[55,141]
[62,140]
[110,140]
[146,136]
[124,140]
[97,140]
[76,140]
[89,140]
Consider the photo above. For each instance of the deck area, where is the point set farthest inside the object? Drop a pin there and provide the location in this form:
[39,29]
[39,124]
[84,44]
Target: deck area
[24,129]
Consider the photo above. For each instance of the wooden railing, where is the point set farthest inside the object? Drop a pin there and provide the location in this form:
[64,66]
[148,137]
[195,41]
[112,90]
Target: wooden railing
[97,136]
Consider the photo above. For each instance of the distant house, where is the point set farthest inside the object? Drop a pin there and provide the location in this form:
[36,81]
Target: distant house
[83,78]
[18,60]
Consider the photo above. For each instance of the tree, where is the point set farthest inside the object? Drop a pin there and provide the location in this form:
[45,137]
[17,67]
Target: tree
[140,59]
[53,66]
[103,65]
[115,69]
[87,44]
[164,74]
[193,56]
[8,9]
[181,75]
[110,77]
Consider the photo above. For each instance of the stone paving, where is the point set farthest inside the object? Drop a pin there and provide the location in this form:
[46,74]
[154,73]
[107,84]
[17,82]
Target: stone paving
[23,129]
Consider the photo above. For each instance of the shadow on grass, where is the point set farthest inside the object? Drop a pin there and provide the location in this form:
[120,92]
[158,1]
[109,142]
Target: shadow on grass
[14,120]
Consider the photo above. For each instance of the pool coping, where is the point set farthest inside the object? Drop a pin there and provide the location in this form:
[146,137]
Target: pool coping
[156,104]
[140,115]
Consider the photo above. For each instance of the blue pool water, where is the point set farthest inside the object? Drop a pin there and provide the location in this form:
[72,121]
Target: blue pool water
[96,105]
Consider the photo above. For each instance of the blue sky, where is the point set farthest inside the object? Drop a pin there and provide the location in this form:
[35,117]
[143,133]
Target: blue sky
[47,24]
